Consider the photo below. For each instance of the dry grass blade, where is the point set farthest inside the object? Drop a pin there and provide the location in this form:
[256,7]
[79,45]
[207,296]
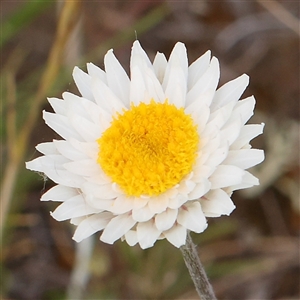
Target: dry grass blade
[67,21]
[10,71]
[282,14]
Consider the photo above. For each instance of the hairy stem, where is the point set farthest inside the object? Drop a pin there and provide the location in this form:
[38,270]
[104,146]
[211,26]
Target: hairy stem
[196,270]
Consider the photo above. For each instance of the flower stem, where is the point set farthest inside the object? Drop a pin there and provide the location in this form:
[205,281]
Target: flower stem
[196,270]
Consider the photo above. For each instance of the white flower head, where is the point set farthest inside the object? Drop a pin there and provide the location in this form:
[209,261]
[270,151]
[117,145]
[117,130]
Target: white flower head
[151,156]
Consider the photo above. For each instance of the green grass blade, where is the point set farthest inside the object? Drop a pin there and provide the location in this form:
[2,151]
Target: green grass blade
[20,18]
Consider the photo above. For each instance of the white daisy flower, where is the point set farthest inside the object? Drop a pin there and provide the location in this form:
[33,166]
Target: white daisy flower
[151,156]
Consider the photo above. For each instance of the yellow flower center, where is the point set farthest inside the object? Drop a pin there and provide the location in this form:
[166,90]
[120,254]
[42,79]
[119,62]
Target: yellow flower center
[149,148]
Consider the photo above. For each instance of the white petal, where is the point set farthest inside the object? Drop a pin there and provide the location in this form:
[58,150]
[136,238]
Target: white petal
[144,85]
[230,92]
[194,100]
[191,217]
[98,202]
[171,193]
[231,130]
[138,90]
[206,83]
[59,193]
[221,115]
[88,110]
[179,54]
[166,219]
[61,125]
[122,204]
[202,172]
[217,157]
[90,225]
[68,151]
[176,235]
[106,98]
[90,149]
[138,51]
[225,176]
[244,158]
[58,105]
[142,214]
[159,65]
[116,228]
[147,234]
[248,181]
[201,158]
[199,113]
[200,189]
[175,80]
[99,179]
[74,105]
[186,186]
[154,87]
[85,167]
[73,207]
[83,82]
[76,221]
[95,71]
[140,202]
[177,201]
[217,203]
[47,148]
[248,132]
[197,68]
[117,78]
[64,177]
[95,114]
[131,237]
[102,191]
[210,132]
[86,129]
[158,204]
[244,109]
[46,163]
[176,90]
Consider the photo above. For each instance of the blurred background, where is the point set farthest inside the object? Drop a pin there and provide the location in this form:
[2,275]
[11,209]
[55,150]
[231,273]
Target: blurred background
[254,253]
